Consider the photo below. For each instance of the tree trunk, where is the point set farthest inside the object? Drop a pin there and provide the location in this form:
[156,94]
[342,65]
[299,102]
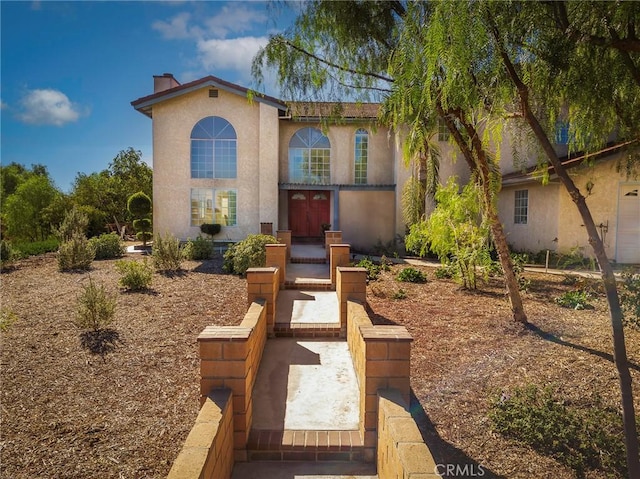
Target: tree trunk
[608,278]
[478,163]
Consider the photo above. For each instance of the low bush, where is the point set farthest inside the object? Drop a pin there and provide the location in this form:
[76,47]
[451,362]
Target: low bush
[107,246]
[198,249]
[75,254]
[400,294]
[248,253]
[166,253]
[7,319]
[134,275]
[588,438]
[373,269]
[96,308]
[35,248]
[575,300]
[444,272]
[630,298]
[7,254]
[411,275]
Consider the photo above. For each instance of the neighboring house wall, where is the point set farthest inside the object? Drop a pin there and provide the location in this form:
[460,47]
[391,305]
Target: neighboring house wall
[552,215]
[256,127]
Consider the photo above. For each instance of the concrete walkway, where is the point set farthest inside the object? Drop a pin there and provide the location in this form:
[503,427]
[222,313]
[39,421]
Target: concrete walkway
[307,307]
[306,385]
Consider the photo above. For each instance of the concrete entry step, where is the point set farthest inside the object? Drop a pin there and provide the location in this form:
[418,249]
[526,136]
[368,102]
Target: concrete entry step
[291,470]
[309,446]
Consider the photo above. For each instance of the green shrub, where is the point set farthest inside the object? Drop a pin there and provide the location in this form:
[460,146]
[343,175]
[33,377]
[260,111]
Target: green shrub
[400,294]
[248,253]
[75,254]
[166,253]
[139,205]
[75,222]
[7,319]
[373,269]
[24,250]
[210,229]
[134,275]
[7,254]
[96,308]
[588,438]
[575,300]
[445,272]
[630,298]
[412,275]
[198,249]
[107,246]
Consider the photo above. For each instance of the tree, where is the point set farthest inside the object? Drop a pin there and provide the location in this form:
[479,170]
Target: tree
[104,195]
[530,59]
[376,50]
[23,210]
[456,231]
[139,205]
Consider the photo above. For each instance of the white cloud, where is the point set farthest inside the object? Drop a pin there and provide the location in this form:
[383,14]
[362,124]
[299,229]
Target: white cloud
[48,107]
[234,18]
[177,27]
[233,54]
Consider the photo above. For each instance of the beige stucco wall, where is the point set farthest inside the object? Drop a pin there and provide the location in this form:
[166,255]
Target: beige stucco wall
[255,124]
[380,162]
[367,217]
[552,213]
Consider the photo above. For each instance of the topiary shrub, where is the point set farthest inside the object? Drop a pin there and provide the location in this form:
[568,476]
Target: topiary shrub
[166,253]
[248,253]
[210,229]
[139,205]
[96,308]
[75,254]
[107,246]
[198,249]
[412,275]
[134,275]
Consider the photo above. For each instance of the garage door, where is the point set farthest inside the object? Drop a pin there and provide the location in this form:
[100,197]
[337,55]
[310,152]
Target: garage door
[628,235]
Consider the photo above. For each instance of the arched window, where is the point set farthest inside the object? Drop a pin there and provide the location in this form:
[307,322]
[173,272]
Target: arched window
[309,157]
[361,156]
[213,149]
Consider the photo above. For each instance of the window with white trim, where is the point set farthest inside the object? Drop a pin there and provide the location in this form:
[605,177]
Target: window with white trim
[213,149]
[443,130]
[521,207]
[309,157]
[361,156]
[214,206]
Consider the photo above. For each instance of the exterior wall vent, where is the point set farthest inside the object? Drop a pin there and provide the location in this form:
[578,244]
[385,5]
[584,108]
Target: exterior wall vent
[213,93]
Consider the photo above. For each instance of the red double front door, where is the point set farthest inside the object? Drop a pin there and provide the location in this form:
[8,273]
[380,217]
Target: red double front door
[308,210]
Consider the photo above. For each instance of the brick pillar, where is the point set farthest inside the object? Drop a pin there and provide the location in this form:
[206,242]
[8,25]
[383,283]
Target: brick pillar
[266,228]
[331,237]
[277,258]
[351,284]
[339,255]
[284,237]
[262,283]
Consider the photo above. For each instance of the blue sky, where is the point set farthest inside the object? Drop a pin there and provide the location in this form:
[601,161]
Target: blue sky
[71,69]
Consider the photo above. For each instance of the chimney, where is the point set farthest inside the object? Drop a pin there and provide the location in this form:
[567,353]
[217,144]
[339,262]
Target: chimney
[164,82]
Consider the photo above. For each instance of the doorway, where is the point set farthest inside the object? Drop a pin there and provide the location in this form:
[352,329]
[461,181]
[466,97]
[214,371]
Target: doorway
[308,211]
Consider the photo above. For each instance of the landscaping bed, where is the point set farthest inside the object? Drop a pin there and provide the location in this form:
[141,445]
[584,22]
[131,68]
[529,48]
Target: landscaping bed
[68,413]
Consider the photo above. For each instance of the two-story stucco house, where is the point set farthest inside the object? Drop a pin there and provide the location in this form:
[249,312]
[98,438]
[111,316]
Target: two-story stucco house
[220,157]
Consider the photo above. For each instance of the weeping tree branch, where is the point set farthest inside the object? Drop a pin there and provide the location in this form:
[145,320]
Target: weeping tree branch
[615,312]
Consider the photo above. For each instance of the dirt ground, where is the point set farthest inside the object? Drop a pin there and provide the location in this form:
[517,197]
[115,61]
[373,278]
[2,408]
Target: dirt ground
[67,413]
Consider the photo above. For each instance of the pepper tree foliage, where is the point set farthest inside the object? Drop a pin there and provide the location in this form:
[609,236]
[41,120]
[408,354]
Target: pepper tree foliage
[475,63]
[355,50]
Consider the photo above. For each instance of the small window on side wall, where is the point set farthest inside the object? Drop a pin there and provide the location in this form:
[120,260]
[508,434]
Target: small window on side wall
[443,130]
[521,207]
